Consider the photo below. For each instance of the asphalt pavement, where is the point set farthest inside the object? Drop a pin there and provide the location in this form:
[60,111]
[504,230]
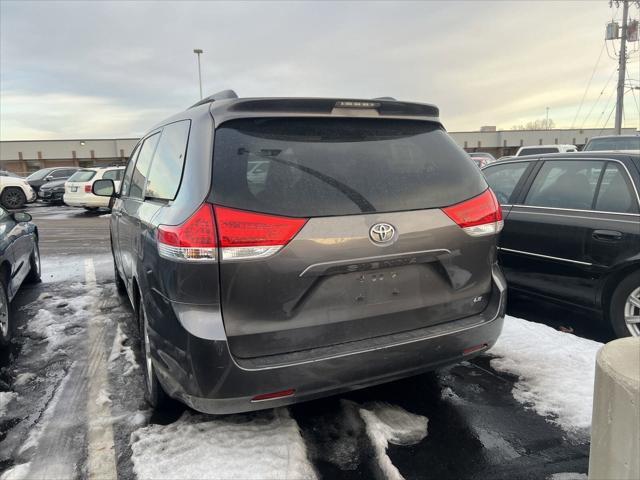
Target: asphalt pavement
[80,392]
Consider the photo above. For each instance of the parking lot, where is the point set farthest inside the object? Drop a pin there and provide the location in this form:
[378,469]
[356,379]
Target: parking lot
[77,408]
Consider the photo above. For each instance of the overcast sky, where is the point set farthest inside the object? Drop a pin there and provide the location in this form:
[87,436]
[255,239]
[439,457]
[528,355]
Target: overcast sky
[113,69]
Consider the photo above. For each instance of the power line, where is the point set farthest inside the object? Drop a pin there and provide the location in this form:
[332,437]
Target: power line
[586,90]
[598,99]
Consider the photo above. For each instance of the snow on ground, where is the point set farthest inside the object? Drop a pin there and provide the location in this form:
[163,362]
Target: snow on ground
[386,424]
[18,472]
[262,445]
[5,399]
[120,349]
[556,370]
[568,476]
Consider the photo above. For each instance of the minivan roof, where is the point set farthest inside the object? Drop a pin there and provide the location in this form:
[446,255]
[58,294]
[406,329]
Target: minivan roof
[224,107]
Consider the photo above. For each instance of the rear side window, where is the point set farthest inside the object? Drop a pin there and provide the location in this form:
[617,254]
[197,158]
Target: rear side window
[168,161]
[503,179]
[565,184]
[82,176]
[141,169]
[306,167]
[115,175]
[616,193]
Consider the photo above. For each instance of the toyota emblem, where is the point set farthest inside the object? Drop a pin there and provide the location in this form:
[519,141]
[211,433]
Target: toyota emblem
[382,233]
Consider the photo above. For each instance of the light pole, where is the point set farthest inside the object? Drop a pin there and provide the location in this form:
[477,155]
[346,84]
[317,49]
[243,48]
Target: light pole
[198,51]
[547,125]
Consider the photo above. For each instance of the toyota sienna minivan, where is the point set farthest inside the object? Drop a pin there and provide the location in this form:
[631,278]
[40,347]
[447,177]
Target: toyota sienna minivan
[277,250]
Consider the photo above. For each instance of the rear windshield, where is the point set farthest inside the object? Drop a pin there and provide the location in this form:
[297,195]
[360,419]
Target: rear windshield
[538,151]
[306,167]
[82,176]
[620,143]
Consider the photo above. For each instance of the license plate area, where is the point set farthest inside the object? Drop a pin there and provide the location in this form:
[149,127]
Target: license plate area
[73,189]
[383,286]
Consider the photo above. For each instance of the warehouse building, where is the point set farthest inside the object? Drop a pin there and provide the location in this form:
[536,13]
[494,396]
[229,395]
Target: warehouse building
[24,157]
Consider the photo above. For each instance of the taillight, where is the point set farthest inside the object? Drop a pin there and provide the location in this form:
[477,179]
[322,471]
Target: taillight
[87,189]
[478,216]
[247,235]
[194,240]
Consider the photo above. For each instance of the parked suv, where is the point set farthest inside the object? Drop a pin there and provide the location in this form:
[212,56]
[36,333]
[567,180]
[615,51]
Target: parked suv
[362,252]
[540,149]
[614,142]
[15,192]
[572,231]
[77,189]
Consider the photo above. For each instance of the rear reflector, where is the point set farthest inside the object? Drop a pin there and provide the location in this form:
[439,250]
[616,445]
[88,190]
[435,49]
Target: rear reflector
[87,189]
[248,235]
[273,396]
[478,216]
[477,348]
[194,240]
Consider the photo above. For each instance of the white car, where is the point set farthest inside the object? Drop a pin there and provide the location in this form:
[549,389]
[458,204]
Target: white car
[15,192]
[77,190]
[540,149]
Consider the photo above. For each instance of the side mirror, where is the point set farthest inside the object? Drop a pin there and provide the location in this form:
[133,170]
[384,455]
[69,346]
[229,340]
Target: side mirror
[48,178]
[104,188]
[21,217]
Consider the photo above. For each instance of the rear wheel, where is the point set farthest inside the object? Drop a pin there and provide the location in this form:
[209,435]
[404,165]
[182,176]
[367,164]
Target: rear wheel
[5,318]
[34,264]
[624,308]
[13,198]
[155,394]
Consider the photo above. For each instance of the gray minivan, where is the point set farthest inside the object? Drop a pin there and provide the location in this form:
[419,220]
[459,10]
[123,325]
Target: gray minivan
[278,250]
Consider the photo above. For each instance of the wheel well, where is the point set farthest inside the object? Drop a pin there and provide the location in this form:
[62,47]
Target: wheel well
[135,294]
[613,281]
[5,271]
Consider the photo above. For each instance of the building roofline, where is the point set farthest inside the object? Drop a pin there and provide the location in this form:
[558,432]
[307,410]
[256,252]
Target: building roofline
[74,140]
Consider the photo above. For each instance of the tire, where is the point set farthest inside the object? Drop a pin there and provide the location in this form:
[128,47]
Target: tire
[34,264]
[6,327]
[120,286]
[154,392]
[13,198]
[625,305]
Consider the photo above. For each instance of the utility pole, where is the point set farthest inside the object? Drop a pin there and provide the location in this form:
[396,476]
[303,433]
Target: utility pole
[198,51]
[622,67]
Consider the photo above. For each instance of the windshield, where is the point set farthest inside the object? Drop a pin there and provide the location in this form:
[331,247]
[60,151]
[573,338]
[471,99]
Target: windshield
[40,174]
[82,176]
[306,167]
[614,143]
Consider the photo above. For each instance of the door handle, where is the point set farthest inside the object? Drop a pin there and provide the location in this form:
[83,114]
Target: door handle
[608,235]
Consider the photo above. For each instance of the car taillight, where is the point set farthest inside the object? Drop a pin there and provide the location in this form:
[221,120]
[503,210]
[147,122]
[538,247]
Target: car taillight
[248,235]
[478,216]
[87,189]
[194,240]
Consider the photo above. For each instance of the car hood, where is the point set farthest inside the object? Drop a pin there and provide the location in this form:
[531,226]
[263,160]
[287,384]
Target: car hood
[53,184]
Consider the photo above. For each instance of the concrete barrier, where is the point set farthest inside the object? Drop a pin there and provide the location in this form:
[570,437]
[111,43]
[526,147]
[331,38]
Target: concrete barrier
[615,426]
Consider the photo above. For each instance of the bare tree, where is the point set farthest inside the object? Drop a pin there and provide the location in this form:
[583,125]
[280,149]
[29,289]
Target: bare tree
[539,124]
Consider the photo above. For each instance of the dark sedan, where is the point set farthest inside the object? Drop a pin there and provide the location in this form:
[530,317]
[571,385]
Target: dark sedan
[45,175]
[572,231]
[52,192]
[19,262]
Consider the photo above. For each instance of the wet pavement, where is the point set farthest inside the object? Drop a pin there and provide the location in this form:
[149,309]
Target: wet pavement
[476,429]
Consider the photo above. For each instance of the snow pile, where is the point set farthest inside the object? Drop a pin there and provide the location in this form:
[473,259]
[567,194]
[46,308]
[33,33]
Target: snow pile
[556,370]
[263,445]
[119,348]
[19,472]
[5,399]
[386,424]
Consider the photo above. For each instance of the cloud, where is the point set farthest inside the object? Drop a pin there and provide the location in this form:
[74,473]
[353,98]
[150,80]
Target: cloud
[108,68]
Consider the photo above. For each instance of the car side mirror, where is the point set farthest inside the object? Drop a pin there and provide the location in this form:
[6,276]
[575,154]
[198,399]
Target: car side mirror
[104,188]
[21,217]
[48,178]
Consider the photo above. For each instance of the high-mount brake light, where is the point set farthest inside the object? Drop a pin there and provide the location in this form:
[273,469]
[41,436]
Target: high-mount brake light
[193,240]
[248,235]
[479,216]
[356,104]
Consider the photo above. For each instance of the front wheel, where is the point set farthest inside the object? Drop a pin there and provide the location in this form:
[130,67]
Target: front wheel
[624,308]
[13,198]
[155,394]
[5,316]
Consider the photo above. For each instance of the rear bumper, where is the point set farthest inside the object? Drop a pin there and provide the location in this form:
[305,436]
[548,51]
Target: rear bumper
[49,196]
[204,375]
[88,200]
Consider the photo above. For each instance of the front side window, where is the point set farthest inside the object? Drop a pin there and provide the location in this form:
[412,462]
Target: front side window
[168,161]
[503,179]
[616,193]
[565,184]
[141,168]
